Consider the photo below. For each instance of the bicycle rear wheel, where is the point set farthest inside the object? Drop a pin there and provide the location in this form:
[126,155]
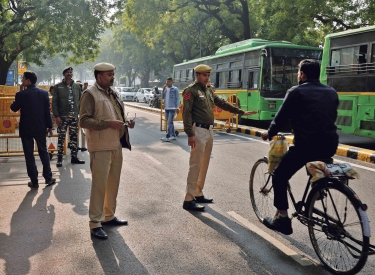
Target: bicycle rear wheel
[261,191]
[336,229]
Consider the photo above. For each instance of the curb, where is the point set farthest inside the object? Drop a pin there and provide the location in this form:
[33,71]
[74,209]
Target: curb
[343,150]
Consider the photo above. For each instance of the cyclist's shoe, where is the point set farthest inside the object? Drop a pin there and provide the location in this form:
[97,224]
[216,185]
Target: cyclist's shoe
[283,225]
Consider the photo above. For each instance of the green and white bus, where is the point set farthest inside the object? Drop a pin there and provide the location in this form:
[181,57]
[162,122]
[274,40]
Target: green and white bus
[259,71]
[348,65]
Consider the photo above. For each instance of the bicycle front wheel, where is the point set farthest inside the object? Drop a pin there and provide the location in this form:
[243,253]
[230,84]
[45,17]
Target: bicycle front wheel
[261,190]
[336,229]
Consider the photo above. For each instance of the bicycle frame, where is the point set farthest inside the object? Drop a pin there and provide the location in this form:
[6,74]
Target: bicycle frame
[298,206]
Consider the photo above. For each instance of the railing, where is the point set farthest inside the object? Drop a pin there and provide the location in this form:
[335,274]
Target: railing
[234,84]
[351,69]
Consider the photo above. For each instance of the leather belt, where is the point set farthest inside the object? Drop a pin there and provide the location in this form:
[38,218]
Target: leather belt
[205,126]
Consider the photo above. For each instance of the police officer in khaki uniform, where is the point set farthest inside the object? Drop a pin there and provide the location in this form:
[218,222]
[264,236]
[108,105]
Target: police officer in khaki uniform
[198,118]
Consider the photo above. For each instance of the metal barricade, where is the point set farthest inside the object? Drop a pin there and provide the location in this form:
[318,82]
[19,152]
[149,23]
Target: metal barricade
[10,141]
[231,120]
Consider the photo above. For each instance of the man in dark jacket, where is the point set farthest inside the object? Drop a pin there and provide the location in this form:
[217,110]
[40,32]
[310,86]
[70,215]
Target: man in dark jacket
[65,107]
[311,108]
[35,122]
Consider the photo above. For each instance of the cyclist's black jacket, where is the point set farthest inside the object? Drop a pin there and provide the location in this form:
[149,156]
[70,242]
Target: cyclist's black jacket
[311,109]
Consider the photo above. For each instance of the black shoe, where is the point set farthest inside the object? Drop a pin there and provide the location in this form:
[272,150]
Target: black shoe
[281,224]
[50,181]
[77,160]
[192,205]
[32,185]
[115,221]
[99,233]
[59,162]
[202,199]
[83,149]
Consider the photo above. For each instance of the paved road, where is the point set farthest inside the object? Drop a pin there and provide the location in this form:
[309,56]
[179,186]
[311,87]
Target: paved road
[46,231]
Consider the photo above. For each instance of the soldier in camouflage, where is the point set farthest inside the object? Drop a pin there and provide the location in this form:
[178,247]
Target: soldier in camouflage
[198,117]
[65,106]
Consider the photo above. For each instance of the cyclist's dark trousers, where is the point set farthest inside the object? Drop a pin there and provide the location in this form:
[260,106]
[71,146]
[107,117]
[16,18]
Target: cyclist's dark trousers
[291,162]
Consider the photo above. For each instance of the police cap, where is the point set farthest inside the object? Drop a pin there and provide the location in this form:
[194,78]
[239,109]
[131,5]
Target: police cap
[202,69]
[67,69]
[104,67]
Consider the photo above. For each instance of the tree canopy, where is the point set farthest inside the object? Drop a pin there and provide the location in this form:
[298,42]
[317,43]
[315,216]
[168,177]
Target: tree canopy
[36,30]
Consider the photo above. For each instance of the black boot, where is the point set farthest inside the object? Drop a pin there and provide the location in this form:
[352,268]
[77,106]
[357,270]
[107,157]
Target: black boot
[59,162]
[77,160]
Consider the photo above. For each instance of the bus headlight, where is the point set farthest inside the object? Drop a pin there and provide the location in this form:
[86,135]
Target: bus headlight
[271,104]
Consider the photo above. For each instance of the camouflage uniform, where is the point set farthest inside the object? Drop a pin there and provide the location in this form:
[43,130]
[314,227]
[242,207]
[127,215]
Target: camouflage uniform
[198,118]
[66,106]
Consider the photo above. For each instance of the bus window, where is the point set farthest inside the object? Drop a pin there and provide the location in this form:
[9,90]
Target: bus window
[217,80]
[253,80]
[189,74]
[223,79]
[373,53]
[176,76]
[235,79]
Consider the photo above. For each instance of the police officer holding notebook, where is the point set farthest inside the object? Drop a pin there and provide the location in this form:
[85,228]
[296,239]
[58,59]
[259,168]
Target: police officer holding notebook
[198,118]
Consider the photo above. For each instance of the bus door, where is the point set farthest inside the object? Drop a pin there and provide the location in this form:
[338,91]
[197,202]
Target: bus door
[347,113]
[253,87]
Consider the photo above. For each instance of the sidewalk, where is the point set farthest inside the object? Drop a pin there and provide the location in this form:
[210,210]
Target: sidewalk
[342,150]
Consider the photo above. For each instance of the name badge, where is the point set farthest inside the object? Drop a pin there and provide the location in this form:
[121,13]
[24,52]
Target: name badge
[201,96]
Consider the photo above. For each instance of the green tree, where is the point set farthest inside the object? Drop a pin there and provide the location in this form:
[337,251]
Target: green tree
[189,29]
[308,21]
[35,30]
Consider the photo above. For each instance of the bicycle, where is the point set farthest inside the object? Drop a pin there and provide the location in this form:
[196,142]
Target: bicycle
[336,218]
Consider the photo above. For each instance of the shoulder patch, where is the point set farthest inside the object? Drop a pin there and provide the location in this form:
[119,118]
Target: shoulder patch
[187,96]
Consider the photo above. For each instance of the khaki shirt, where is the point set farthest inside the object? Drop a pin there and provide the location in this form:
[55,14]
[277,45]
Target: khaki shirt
[198,106]
[87,112]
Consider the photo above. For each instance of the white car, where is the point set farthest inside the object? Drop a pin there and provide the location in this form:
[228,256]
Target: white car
[143,95]
[127,93]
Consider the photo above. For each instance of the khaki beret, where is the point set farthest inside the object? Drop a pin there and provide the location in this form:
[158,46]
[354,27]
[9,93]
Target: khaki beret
[202,69]
[104,67]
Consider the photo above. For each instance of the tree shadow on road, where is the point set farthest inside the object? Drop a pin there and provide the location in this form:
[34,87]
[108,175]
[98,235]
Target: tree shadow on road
[31,231]
[115,256]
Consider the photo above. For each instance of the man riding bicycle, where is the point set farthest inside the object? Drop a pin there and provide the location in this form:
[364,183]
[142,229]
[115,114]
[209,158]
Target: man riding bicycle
[311,108]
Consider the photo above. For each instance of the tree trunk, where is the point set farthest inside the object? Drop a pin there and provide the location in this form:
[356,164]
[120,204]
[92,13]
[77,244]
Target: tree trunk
[4,67]
[245,19]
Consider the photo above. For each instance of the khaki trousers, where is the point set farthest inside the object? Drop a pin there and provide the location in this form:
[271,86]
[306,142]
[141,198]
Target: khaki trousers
[199,160]
[105,169]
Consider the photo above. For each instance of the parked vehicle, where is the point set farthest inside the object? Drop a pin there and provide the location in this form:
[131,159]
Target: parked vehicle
[152,99]
[143,95]
[127,93]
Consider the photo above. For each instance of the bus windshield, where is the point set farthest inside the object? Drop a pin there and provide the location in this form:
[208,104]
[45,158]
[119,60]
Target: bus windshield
[280,69]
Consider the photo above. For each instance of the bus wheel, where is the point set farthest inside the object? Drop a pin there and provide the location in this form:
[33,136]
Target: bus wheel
[228,130]
[176,132]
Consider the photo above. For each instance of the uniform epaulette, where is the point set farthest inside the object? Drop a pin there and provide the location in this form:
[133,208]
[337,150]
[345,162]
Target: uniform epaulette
[189,86]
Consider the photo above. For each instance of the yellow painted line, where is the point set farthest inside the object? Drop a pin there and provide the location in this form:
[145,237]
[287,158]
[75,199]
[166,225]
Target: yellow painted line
[301,259]
[343,149]
[365,155]
[356,93]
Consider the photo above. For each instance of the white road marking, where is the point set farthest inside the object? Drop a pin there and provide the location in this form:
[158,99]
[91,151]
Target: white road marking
[301,259]
[336,160]
[151,158]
